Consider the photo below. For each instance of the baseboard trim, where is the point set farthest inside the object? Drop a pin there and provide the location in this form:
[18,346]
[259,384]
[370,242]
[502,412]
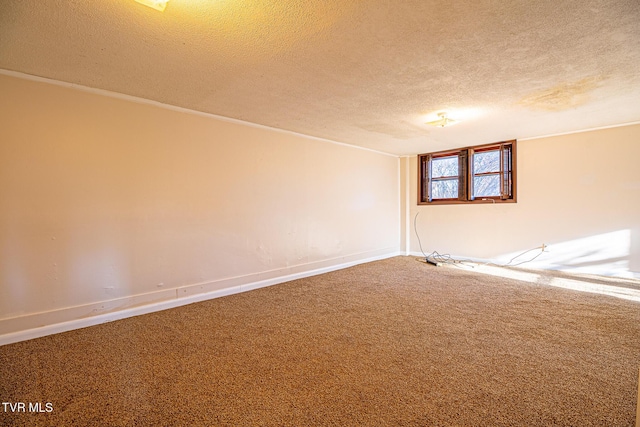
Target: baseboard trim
[67,319]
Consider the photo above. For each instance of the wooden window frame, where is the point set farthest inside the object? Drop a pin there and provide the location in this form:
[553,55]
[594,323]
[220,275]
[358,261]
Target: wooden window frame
[507,174]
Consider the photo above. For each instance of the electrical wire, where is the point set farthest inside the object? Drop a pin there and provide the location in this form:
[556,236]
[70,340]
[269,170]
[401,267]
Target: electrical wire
[434,257]
[437,258]
[543,247]
[415,229]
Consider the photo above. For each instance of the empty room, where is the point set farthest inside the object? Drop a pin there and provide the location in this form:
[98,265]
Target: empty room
[310,213]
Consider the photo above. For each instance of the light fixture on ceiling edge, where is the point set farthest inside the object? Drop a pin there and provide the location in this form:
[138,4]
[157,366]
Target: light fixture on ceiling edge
[442,121]
[154,4]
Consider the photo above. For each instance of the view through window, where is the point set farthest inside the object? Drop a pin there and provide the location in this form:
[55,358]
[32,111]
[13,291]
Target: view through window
[483,173]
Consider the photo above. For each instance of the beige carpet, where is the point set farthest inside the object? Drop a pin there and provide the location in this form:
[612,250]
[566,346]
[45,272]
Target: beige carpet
[390,343]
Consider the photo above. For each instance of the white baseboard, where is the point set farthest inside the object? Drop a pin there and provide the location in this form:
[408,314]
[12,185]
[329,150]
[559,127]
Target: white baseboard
[37,325]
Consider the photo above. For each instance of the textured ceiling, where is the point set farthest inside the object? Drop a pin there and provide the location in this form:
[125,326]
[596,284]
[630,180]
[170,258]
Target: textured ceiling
[367,73]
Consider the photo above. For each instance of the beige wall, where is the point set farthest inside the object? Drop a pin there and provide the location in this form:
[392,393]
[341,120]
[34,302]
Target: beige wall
[578,193]
[108,203]
[104,199]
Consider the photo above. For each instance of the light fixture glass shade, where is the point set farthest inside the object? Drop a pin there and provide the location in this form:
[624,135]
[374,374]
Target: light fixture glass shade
[442,121]
[155,4]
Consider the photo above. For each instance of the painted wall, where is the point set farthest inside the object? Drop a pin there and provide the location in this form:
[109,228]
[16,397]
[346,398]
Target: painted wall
[109,203]
[579,194]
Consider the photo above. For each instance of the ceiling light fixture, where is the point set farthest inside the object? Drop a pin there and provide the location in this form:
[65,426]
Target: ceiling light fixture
[442,121]
[155,4]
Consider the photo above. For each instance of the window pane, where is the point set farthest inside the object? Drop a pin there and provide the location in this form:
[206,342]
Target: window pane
[444,166]
[445,189]
[486,161]
[486,186]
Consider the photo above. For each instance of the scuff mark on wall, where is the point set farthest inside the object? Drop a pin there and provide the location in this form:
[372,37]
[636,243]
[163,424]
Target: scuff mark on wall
[563,96]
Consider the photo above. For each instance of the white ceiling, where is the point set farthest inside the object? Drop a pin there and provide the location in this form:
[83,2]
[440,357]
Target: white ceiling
[367,73]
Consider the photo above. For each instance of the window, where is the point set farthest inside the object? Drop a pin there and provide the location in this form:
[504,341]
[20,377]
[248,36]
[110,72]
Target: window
[479,174]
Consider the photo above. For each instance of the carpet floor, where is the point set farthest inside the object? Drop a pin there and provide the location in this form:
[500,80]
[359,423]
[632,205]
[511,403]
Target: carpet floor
[390,343]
